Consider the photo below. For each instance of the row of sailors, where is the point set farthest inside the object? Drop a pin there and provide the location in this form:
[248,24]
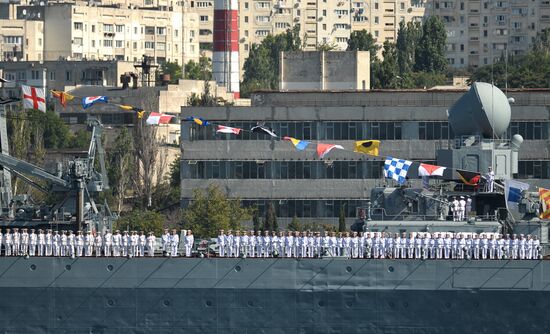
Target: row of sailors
[66,243]
[439,245]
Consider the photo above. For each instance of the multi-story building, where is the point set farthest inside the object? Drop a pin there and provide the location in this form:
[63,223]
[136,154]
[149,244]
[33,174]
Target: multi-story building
[410,124]
[114,32]
[121,30]
[481,32]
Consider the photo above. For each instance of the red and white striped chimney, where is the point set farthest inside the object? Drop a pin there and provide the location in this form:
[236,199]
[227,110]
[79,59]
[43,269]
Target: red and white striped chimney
[225,60]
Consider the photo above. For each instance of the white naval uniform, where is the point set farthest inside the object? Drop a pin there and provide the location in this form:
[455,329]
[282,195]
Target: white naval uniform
[117,242]
[142,241]
[79,245]
[165,240]
[33,241]
[98,244]
[151,243]
[126,244]
[41,243]
[189,242]
[221,245]
[88,244]
[461,209]
[174,242]
[107,244]
[8,244]
[49,244]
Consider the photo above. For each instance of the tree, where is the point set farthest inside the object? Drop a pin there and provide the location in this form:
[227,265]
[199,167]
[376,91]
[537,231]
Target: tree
[541,44]
[206,99]
[294,224]
[211,210]
[174,173]
[363,41]
[80,139]
[256,220]
[141,220]
[147,157]
[172,68]
[325,46]
[261,68]
[342,219]
[120,166]
[430,52]
[270,220]
[386,72]
[408,38]
[199,71]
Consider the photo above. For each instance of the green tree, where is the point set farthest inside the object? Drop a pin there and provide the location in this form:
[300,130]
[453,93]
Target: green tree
[174,173]
[386,72]
[363,41]
[56,133]
[342,219]
[256,224]
[270,220]
[430,52]
[121,159]
[211,210]
[261,68]
[206,99]
[294,224]
[325,46]
[141,220]
[408,37]
[201,70]
[80,139]
[541,44]
[172,68]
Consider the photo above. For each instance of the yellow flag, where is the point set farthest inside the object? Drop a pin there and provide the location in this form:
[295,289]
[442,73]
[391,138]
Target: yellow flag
[544,195]
[140,114]
[370,147]
[125,107]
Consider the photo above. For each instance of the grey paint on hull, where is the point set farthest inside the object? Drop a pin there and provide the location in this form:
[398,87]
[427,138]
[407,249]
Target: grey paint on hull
[89,295]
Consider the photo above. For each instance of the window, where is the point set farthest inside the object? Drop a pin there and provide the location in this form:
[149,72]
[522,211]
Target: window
[149,30]
[108,43]
[119,44]
[13,39]
[262,19]
[107,28]
[161,31]
[78,26]
[161,46]
[204,18]
[68,76]
[35,75]
[93,43]
[262,33]
[204,4]
[52,75]
[77,41]
[93,28]
[376,20]
[119,28]
[134,45]
[149,45]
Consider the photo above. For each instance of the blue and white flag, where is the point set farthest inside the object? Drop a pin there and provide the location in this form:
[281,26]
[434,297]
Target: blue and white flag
[90,100]
[396,169]
[513,193]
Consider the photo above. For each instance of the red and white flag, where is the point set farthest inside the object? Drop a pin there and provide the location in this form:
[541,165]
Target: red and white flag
[34,98]
[324,149]
[228,129]
[430,170]
[156,118]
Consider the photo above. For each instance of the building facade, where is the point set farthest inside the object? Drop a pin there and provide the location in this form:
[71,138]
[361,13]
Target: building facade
[481,32]
[410,125]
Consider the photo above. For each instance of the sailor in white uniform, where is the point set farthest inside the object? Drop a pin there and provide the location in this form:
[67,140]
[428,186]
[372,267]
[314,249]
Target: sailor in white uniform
[492,247]
[468,207]
[447,243]
[289,244]
[117,243]
[24,247]
[490,179]
[142,243]
[253,244]
[107,243]
[173,243]
[16,242]
[70,242]
[522,246]
[151,244]
[354,245]
[98,244]
[455,204]
[8,243]
[41,242]
[484,246]
[245,244]
[189,242]
[164,242]
[461,247]
[134,244]
[529,249]
[221,243]
[56,244]
[126,243]
[536,248]
[49,243]
[33,242]
[79,244]
[514,246]
[500,247]
[237,244]
[461,208]
[88,244]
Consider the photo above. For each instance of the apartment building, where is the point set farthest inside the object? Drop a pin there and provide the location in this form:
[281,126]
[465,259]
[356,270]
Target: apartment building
[114,32]
[480,32]
[21,36]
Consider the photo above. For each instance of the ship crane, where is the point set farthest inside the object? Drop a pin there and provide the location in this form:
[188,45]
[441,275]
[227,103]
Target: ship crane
[76,184]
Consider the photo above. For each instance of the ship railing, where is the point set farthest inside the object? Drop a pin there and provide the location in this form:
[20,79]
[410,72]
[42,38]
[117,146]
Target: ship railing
[381,214]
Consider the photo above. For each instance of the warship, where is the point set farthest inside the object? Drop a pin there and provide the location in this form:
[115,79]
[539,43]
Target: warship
[280,295]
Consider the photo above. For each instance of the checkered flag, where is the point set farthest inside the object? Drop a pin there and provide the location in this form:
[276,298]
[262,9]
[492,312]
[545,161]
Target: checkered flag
[396,169]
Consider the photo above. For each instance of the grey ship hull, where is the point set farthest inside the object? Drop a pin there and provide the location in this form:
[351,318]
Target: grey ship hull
[161,295]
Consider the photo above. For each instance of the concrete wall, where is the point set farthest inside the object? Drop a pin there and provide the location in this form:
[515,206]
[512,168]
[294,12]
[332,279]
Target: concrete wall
[316,70]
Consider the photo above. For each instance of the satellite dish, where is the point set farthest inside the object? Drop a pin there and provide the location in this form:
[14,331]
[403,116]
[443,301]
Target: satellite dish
[484,110]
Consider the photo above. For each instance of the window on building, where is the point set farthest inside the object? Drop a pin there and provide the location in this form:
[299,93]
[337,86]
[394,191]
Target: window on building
[204,18]
[161,46]
[108,43]
[13,39]
[107,28]
[68,76]
[119,28]
[93,28]
[77,41]
[78,26]
[52,75]
[149,30]
[119,44]
[149,45]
